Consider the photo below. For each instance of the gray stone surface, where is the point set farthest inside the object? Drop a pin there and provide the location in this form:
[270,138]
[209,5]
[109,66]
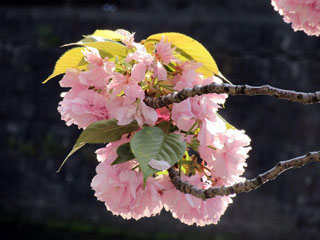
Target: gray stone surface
[250,43]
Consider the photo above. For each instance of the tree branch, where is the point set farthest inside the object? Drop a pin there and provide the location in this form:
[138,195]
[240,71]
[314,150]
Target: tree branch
[233,90]
[247,185]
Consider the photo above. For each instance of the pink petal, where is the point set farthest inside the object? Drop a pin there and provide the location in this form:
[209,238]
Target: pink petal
[159,164]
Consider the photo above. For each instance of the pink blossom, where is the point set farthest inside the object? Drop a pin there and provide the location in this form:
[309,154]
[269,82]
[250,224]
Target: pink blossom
[185,72]
[163,114]
[304,15]
[191,210]
[148,115]
[126,109]
[92,56]
[164,51]
[133,90]
[187,66]
[96,76]
[109,153]
[121,189]
[187,80]
[216,98]
[140,55]
[205,106]
[128,37]
[138,72]
[208,131]
[71,79]
[185,121]
[82,107]
[159,71]
[229,161]
[116,84]
[202,108]
[182,115]
[126,84]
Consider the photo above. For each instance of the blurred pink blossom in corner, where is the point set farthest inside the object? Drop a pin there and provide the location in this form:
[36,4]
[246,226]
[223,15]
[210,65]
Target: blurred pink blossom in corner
[304,15]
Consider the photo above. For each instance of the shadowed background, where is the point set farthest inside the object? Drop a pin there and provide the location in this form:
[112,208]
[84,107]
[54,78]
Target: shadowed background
[251,45]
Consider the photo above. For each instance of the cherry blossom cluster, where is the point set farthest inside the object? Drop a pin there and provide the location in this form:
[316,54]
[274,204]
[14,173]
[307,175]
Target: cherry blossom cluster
[115,89]
[304,15]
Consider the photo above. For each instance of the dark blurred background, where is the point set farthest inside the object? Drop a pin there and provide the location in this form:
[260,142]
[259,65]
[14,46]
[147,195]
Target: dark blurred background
[251,45]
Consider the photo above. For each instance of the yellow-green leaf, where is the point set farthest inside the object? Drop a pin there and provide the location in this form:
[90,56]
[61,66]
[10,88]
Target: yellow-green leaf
[107,34]
[107,48]
[70,59]
[228,125]
[190,49]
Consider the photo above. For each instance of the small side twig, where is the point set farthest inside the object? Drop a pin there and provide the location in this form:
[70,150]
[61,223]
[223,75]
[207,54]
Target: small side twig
[233,90]
[245,186]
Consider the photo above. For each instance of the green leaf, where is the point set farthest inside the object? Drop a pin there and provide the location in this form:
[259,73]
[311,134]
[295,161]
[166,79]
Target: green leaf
[194,144]
[153,143]
[75,148]
[189,49]
[165,126]
[124,154]
[103,131]
[107,48]
[70,59]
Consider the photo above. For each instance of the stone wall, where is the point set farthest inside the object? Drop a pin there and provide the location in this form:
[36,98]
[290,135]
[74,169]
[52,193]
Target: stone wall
[251,45]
